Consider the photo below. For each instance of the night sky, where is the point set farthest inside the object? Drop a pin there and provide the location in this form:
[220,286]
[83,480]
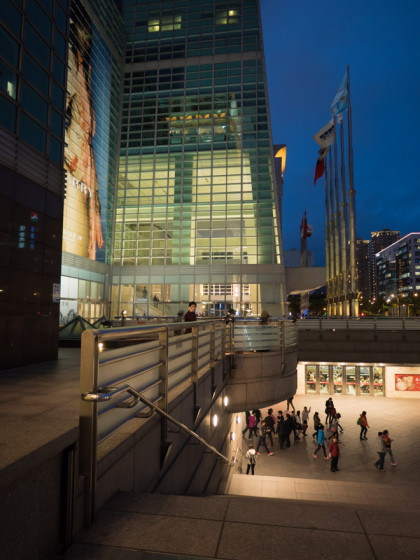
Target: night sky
[308,45]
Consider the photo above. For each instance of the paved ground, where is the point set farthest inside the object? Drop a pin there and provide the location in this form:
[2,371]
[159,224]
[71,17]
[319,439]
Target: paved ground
[366,515]
[293,473]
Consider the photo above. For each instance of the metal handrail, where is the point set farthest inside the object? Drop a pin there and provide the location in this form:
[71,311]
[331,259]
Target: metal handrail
[107,393]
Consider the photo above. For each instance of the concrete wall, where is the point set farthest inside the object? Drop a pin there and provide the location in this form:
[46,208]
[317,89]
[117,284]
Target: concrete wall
[260,379]
[130,459]
[337,345]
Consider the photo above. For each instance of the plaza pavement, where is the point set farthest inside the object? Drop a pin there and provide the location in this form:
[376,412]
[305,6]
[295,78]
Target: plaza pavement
[293,473]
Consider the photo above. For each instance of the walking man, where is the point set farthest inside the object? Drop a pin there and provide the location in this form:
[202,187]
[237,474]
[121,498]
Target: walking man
[363,425]
[388,450]
[380,448]
[262,437]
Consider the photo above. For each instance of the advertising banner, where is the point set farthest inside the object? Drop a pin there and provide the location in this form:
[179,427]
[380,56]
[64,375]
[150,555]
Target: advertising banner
[87,138]
[407,382]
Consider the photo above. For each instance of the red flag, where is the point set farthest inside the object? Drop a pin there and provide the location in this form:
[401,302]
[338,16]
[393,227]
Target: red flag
[319,169]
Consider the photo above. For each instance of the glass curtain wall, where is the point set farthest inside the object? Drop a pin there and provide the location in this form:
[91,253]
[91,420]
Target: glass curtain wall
[196,208]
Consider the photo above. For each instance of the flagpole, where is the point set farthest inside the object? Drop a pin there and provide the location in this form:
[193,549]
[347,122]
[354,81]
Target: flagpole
[352,211]
[346,310]
[332,229]
[337,227]
[327,246]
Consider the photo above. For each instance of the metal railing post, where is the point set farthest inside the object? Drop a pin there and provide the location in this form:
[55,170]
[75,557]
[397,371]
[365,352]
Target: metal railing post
[88,420]
[163,392]
[194,368]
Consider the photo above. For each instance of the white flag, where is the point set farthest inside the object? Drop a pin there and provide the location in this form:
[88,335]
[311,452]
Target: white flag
[325,137]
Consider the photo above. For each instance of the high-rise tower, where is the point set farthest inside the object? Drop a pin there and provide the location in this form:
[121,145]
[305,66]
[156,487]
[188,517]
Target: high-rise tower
[197,214]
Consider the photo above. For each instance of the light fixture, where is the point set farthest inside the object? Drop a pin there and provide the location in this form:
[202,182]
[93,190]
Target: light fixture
[215,420]
[100,346]
[225,401]
[232,436]
[238,419]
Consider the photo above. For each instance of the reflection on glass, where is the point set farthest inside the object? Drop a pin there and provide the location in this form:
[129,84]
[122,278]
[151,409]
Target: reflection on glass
[324,382]
[365,380]
[311,379]
[378,380]
[350,380]
[338,379]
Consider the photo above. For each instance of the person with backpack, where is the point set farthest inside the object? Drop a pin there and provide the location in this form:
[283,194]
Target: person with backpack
[328,406]
[262,437]
[387,445]
[363,423]
[252,459]
[317,422]
[321,443]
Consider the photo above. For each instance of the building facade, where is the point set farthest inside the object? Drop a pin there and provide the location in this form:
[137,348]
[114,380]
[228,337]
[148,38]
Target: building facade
[398,267]
[379,240]
[197,213]
[33,60]
[95,61]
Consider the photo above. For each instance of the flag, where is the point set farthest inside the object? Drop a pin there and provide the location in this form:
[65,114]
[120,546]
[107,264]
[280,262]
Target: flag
[341,100]
[319,169]
[325,137]
[305,230]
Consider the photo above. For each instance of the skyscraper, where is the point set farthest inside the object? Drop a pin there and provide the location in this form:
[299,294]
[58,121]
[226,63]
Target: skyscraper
[33,58]
[380,240]
[197,214]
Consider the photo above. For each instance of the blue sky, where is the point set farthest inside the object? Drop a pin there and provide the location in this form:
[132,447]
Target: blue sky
[308,45]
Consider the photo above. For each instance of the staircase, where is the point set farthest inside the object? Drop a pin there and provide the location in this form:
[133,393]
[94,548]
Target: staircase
[158,527]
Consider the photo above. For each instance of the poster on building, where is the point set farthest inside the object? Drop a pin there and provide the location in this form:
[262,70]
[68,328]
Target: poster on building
[87,138]
[407,382]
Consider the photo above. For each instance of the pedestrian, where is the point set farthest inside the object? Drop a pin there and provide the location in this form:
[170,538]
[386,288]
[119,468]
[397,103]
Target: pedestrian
[294,427]
[388,450]
[280,415]
[290,404]
[363,423]
[258,414]
[334,427]
[321,443]
[265,317]
[334,454]
[262,437]
[380,448]
[281,430]
[288,428]
[269,425]
[252,459]
[305,418]
[190,315]
[298,423]
[247,413]
[270,413]
[252,423]
[328,406]
[317,422]
[338,416]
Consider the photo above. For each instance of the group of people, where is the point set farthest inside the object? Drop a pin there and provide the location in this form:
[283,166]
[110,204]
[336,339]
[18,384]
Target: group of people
[296,423]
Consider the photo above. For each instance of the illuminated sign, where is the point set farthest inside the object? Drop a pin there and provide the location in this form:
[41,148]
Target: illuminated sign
[407,382]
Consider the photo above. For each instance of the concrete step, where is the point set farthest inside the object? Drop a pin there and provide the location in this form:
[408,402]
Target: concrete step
[246,528]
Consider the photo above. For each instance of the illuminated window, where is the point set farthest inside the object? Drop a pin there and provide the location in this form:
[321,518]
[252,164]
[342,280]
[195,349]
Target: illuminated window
[164,23]
[227,17]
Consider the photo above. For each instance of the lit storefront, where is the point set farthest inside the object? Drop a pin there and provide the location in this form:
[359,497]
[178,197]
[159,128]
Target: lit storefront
[376,380]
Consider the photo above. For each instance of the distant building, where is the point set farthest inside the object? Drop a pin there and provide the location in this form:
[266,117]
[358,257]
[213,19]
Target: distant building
[292,258]
[363,268]
[398,267]
[380,240]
